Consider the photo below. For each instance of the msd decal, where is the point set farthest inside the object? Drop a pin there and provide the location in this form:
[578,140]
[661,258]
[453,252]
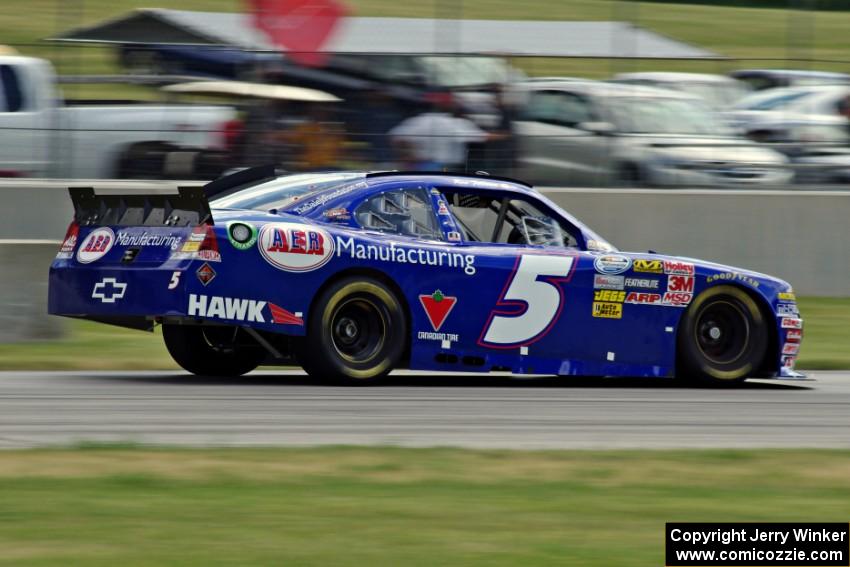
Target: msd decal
[96,245]
[295,247]
[437,307]
[251,310]
[677,299]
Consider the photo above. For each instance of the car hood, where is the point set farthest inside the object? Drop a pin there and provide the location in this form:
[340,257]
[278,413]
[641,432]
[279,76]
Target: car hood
[732,150]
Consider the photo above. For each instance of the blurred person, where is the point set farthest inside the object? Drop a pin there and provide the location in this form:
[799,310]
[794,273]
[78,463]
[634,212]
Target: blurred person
[502,148]
[438,139]
[316,142]
[376,115]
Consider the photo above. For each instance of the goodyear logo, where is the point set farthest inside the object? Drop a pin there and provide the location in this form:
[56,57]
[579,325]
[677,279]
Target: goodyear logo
[609,295]
[649,266]
[608,310]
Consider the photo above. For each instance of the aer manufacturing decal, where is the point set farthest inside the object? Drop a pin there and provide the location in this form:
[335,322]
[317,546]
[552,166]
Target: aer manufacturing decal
[96,245]
[295,247]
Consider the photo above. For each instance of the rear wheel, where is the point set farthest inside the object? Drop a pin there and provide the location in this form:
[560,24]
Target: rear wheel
[722,337]
[212,351]
[356,332]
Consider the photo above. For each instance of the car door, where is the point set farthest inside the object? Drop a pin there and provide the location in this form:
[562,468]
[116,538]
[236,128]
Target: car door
[527,260]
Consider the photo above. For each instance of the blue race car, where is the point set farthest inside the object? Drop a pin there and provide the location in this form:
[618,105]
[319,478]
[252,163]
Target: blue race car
[352,275]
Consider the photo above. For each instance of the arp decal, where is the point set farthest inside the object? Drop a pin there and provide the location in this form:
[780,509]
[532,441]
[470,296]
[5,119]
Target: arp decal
[530,302]
[96,245]
[437,308]
[649,266]
[792,323]
[643,298]
[295,247]
[611,264]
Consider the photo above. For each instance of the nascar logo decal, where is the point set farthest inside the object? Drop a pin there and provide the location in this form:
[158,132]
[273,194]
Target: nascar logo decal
[96,245]
[612,264]
[295,247]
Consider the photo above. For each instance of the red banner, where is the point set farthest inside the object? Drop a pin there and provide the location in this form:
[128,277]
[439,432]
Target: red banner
[299,27]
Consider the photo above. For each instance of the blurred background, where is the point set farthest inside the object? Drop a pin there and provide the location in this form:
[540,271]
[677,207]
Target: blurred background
[730,94]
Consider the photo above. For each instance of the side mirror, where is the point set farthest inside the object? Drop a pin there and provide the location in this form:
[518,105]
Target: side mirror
[598,128]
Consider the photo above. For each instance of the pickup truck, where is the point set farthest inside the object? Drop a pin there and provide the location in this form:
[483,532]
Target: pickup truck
[42,137]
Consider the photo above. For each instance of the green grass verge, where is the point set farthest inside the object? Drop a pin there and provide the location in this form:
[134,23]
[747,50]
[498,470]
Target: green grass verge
[92,346]
[389,506]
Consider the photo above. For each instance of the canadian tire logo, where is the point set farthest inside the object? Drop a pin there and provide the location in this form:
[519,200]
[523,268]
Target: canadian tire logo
[295,247]
[437,307]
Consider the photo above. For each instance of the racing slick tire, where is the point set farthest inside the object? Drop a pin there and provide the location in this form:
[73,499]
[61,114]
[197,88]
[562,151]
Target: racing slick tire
[356,332]
[722,338]
[211,351]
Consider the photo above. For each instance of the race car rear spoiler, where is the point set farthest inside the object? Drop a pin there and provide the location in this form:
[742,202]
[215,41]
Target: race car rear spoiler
[185,206]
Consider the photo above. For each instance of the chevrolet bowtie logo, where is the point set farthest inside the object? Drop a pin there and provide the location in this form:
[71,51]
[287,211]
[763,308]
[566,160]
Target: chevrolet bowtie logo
[108,290]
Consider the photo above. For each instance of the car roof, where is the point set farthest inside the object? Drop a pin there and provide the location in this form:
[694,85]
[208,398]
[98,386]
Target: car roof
[673,77]
[609,89]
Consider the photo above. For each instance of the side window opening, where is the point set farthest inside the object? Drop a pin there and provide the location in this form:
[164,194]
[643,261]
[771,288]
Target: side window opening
[402,211]
[13,100]
[486,218]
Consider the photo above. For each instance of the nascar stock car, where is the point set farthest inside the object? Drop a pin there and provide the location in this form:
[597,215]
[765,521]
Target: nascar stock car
[352,275]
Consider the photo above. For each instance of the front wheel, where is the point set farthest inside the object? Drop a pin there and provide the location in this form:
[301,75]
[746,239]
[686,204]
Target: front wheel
[212,351]
[356,332]
[722,337]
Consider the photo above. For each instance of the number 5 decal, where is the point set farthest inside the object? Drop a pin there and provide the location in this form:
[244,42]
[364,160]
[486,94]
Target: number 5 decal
[530,303]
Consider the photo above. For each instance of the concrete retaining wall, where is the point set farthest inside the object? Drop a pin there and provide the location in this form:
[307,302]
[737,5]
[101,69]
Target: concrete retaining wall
[801,236]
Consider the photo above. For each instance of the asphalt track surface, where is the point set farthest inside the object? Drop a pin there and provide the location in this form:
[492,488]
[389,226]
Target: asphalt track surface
[414,409]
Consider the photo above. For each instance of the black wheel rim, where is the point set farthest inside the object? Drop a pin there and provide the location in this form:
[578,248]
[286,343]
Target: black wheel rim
[358,329]
[722,332]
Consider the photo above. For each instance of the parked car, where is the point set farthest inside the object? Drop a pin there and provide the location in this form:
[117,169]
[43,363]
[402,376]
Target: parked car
[353,275]
[596,133]
[719,91]
[761,79]
[50,139]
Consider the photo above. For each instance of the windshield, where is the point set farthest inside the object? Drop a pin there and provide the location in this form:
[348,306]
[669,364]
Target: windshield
[465,71]
[656,115]
[283,191]
[718,95]
[765,101]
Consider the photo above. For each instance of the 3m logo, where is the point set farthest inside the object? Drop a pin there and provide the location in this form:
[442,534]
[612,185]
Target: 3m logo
[680,283]
[649,266]
[608,310]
